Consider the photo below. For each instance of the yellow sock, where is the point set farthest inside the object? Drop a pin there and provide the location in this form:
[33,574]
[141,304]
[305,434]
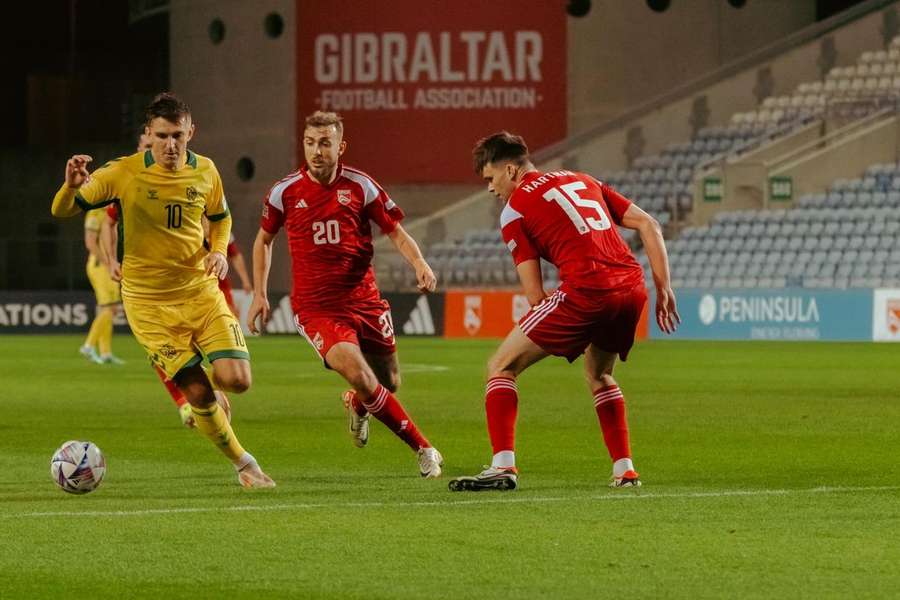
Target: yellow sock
[210,374]
[104,336]
[94,331]
[212,423]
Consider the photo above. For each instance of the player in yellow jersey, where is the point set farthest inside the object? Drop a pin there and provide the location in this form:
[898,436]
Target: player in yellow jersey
[108,247]
[107,291]
[168,279]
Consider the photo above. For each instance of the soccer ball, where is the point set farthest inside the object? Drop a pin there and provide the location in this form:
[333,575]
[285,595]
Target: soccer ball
[78,467]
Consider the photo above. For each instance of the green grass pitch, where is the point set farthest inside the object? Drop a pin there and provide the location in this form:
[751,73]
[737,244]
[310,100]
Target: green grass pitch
[770,470]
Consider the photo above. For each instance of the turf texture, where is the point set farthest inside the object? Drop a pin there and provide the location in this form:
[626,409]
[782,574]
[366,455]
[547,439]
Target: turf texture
[769,469]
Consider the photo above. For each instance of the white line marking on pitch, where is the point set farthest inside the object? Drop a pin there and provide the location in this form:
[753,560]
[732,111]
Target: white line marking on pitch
[405,368]
[507,498]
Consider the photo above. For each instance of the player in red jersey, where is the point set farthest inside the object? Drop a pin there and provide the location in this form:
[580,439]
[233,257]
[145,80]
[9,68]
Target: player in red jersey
[326,208]
[567,219]
[239,266]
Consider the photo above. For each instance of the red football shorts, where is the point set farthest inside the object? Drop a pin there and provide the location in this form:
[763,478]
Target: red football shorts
[366,324]
[570,319]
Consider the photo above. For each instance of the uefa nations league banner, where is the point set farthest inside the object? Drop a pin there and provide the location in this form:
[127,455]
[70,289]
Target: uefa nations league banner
[419,81]
[779,314]
[50,312]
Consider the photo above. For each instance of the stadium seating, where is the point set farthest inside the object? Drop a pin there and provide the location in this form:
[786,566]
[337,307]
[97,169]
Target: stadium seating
[845,238]
[661,183]
[848,237]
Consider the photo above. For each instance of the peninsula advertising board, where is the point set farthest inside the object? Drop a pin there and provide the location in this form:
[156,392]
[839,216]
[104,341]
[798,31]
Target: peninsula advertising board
[419,81]
[780,314]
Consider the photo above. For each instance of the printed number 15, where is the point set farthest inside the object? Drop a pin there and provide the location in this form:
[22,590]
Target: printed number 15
[570,199]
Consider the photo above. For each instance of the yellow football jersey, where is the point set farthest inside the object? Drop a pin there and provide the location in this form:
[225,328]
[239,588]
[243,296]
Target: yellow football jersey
[92,221]
[160,227]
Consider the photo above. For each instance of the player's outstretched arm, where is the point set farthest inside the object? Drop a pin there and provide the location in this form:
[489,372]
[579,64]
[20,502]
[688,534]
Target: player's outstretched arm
[219,232]
[240,266]
[409,249]
[532,281]
[651,235]
[76,175]
[262,262]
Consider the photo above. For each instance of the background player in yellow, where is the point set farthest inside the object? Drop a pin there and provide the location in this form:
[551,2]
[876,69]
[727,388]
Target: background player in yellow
[107,291]
[168,279]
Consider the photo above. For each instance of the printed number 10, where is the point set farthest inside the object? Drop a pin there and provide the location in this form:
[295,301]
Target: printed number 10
[173,216]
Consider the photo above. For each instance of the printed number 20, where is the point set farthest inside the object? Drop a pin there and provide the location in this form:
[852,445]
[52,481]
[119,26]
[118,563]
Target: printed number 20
[326,232]
[570,199]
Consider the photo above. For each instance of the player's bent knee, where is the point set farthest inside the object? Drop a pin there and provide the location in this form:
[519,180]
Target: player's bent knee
[392,383]
[238,385]
[499,367]
[603,381]
[362,380]
[234,378]
[236,382]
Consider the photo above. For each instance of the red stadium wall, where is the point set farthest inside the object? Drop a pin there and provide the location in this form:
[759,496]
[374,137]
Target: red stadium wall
[418,82]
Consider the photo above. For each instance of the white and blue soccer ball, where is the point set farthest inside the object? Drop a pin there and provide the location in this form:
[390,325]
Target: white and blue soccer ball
[78,467]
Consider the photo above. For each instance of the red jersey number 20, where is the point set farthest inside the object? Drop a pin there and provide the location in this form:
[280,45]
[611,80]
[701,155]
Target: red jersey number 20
[326,232]
[567,197]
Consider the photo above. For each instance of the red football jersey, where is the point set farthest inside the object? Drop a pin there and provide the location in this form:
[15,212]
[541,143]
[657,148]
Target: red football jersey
[567,219]
[232,249]
[329,235]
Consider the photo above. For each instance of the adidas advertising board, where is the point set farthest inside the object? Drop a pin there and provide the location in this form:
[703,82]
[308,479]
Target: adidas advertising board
[413,314]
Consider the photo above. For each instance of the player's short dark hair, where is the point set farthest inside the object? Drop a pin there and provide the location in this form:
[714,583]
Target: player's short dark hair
[326,119]
[168,106]
[499,147]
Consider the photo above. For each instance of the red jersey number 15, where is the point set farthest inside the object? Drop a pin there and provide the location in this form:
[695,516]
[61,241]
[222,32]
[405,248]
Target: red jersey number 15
[567,197]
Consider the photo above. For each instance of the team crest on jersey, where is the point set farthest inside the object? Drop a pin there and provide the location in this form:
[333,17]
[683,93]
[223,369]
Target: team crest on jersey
[192,193]
[343,196]
[318,342]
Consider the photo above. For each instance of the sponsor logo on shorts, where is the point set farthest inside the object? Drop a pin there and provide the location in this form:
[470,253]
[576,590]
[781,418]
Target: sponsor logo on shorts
[343,196]
[168,351]
[318,342]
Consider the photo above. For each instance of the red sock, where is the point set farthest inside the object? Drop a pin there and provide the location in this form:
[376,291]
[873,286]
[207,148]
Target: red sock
[610,406]
[386,408]
[356,404]
[173,390]
[501,402]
